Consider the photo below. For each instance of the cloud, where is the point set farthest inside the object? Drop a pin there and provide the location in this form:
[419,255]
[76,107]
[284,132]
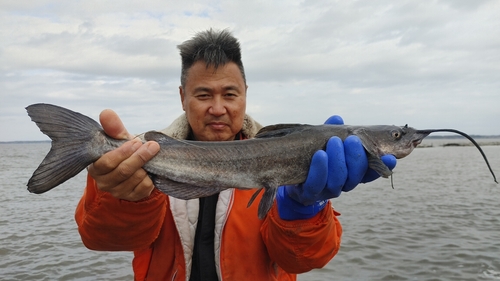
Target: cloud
[430,64]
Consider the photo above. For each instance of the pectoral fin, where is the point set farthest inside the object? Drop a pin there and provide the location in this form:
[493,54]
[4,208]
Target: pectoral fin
[378,165]
[374,161]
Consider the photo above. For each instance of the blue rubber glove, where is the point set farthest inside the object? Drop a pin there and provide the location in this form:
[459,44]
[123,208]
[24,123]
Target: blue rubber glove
[348,166]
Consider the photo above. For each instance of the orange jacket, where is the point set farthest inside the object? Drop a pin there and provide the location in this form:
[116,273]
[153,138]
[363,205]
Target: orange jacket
[160,230]
[248,248]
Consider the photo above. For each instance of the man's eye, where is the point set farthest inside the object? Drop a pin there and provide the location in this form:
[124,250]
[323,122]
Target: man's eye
[203,96]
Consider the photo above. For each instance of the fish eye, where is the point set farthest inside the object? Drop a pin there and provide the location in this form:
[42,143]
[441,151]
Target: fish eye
[396,134]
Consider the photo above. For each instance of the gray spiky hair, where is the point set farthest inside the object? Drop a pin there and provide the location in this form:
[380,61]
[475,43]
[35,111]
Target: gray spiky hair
[214,47]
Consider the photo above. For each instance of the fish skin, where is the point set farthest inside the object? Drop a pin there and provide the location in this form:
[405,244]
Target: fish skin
[264,161]
[278,155]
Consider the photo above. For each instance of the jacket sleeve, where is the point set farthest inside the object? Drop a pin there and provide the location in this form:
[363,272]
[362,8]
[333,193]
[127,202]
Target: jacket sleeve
[302,245]
[109,224]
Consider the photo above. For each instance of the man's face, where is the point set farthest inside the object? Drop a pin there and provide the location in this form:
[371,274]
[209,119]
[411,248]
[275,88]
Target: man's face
[214,101]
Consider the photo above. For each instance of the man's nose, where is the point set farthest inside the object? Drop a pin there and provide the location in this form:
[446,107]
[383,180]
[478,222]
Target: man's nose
[218,108]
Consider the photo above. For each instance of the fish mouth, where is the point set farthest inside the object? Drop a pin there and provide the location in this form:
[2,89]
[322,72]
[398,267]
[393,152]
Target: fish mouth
[419,137]
[416,142]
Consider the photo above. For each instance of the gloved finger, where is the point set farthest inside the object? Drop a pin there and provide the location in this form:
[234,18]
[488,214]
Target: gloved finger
[356,161]
[337,169]
[316,178]
[389,160]
[335,120]
[294,191]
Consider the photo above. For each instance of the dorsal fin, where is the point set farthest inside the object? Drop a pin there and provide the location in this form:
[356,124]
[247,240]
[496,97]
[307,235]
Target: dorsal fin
[277,130]
[158,137]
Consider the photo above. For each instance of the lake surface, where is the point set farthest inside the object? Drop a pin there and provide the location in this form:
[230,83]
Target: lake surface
[441,222]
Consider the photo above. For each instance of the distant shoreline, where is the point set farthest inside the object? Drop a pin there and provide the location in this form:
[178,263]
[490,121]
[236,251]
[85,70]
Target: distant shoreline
[20,142]
[450,144]
[435,137]
[476,137]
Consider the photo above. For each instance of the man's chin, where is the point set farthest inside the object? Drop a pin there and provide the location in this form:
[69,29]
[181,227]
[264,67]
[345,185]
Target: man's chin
[222,138]
[216,136]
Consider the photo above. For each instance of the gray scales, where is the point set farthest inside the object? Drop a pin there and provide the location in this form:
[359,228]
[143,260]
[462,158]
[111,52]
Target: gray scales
[278,155]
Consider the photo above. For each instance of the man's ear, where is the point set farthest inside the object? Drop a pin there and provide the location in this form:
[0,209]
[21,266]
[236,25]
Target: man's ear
[181,93]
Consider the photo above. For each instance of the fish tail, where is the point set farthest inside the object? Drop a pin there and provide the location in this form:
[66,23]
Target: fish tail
[69,154]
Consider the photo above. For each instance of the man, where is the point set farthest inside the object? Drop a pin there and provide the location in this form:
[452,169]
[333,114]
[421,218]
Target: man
[217,237]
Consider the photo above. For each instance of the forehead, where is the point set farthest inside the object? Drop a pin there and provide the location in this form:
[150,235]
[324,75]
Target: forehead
[199,72]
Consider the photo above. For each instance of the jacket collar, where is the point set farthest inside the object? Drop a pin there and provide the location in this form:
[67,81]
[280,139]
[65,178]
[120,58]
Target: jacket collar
[180,129]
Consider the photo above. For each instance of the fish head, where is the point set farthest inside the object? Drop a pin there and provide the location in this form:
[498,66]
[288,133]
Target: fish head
[398,140]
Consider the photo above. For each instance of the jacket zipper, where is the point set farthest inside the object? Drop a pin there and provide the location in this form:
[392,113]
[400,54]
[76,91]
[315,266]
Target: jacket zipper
[226,216]
[175,275]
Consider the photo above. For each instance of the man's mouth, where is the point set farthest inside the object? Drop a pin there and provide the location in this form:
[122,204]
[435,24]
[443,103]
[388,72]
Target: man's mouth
[217,125]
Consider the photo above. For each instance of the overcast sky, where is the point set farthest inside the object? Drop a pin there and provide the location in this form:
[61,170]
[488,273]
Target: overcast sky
[429,64]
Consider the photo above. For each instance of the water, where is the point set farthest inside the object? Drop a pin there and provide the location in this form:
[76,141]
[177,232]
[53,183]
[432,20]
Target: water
[38,234]
[441,222]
